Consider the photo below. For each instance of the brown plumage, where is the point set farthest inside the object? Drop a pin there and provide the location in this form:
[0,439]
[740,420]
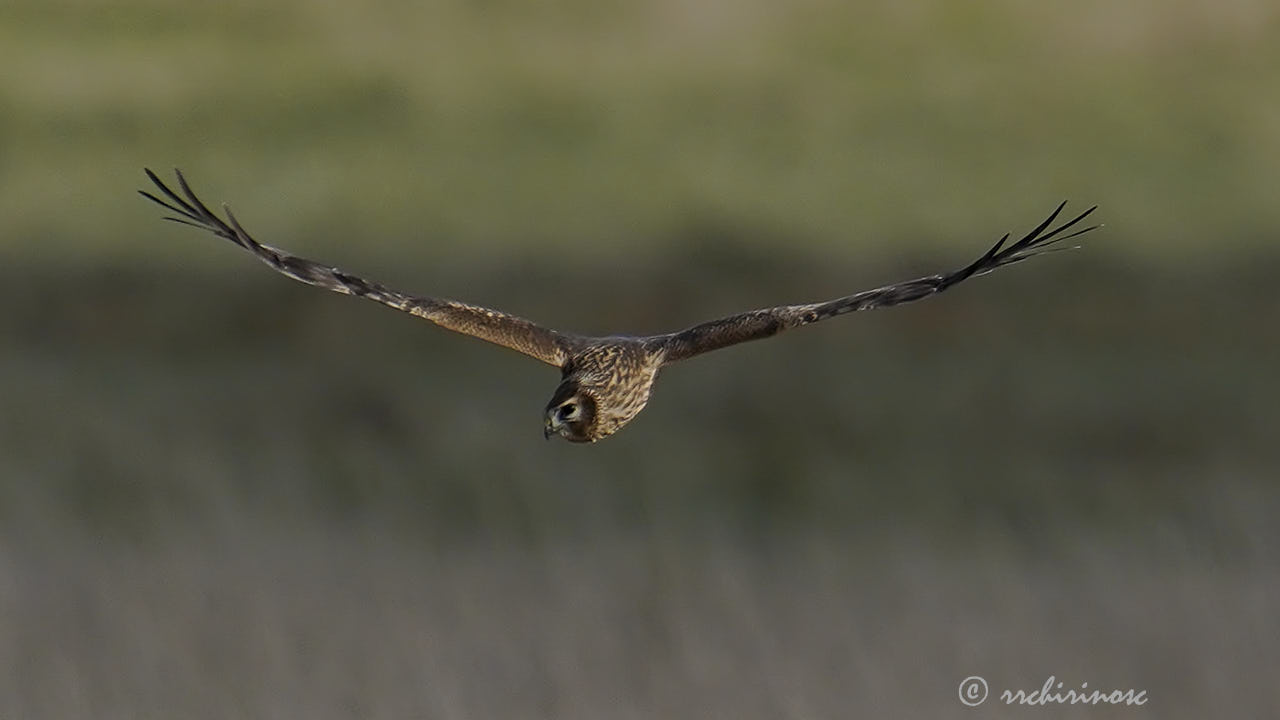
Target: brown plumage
[605,381]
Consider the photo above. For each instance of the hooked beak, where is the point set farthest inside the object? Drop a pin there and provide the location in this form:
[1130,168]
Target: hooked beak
[548,430]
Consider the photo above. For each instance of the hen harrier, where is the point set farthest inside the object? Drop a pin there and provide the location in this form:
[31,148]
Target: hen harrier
[605,381]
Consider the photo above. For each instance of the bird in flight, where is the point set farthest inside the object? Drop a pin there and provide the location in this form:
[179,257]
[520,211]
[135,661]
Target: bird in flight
[605,381]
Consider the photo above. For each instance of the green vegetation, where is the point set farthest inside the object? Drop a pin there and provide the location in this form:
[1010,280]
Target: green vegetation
[609,130]
[227,495]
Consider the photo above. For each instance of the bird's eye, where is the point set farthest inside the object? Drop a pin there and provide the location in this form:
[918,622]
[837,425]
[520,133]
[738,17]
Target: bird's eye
[568,409]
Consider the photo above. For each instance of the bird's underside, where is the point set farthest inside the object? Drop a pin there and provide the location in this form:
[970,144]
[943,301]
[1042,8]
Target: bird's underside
[605,381]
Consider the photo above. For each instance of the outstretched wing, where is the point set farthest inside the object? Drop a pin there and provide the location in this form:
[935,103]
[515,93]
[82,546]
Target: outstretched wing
[509,331]
[767,322]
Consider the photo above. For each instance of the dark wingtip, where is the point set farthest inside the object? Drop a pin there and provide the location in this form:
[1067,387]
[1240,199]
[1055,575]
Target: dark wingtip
[190,207]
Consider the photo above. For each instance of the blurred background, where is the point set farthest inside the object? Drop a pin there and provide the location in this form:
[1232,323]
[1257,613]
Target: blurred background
[224,494]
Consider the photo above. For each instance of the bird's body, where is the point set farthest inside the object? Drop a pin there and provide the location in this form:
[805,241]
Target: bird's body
[605,381]
[621,369]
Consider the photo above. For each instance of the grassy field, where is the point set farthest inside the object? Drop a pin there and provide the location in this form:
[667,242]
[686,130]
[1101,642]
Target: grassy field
[227,495]
[245,498]
[356,623]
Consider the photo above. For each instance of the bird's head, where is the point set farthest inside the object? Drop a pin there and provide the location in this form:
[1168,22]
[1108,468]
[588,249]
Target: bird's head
[571,414]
